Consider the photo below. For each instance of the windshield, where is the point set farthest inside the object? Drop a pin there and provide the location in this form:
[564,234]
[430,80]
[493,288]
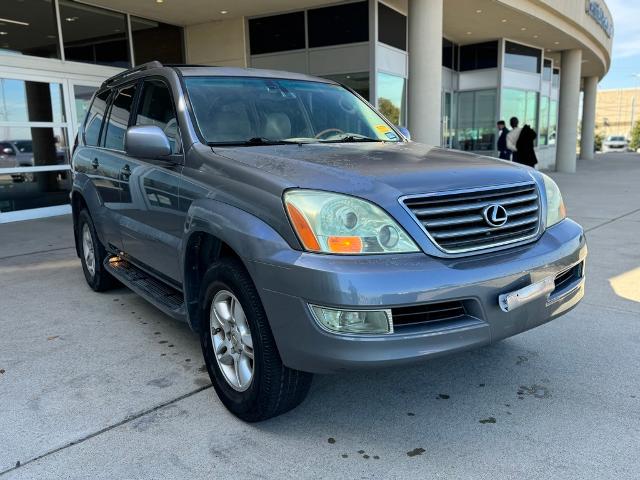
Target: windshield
[616,139]
[253,111]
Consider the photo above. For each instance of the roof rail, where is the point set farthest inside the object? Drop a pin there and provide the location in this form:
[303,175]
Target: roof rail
[131,71]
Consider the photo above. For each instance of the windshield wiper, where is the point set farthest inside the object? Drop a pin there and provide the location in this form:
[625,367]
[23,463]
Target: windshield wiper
[253,141]
[352,138]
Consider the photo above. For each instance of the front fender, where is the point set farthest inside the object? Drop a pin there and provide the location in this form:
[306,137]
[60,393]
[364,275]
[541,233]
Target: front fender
[249,237]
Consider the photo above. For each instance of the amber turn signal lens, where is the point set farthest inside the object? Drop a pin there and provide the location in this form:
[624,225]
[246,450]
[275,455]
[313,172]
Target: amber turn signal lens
[344,244]
[302,228]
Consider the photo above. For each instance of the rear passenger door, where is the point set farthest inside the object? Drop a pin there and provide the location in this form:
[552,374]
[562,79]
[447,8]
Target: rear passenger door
[152,223]
[92,161]
[111,160]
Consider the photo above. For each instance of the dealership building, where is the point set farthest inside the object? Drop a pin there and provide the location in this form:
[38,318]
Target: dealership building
[446,69]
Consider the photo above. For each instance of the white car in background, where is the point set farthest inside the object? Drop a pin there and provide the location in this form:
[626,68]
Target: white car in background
[615,144]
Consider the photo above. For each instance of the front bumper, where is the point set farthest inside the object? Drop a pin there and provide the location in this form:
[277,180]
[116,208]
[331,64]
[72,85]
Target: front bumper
[288,282]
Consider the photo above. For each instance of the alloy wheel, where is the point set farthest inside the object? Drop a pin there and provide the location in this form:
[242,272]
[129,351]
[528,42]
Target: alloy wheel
[231,340]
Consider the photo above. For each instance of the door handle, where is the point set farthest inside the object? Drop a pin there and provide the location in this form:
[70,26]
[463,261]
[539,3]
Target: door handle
[95,163]
[125,172]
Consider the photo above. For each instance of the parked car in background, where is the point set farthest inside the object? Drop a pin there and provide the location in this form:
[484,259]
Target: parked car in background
[19,153]
[298,231]
[615,143]
[15,154]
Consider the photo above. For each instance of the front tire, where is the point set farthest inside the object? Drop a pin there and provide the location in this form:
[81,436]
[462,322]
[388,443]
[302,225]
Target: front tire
[92,255]
[240,351]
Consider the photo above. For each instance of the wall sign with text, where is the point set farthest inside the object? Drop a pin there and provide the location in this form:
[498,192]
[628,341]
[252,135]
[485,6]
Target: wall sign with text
[595,11]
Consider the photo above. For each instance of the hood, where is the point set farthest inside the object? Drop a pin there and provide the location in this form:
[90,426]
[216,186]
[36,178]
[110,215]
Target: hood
[362,168]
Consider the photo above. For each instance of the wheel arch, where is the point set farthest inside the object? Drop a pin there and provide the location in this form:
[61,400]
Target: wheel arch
[216,230]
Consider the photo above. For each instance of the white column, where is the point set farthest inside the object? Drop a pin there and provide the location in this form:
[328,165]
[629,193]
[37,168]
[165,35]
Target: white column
[425,70]
[587,131]
[571,62]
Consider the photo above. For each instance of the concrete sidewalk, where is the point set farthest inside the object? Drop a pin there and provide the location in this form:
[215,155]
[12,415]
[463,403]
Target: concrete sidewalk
[105,386]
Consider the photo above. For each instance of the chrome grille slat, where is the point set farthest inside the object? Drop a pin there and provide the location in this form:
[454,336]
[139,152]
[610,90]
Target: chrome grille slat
[456,224]
[475,195]
[473,206]
[483,243]
[463,232]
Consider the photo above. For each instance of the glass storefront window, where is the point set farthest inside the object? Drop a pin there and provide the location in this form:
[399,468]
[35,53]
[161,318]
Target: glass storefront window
[522,104]
[478,56]
[156,41]
[543,134]
[448,119]
[450,54]
[392,97]
[27,101]
[94,35]
[476,120]
[392,27]
[546,70]
[553,121]
[277,33]
[338,25]
[33,147]
[22,191]
[521,57]
[31,30]
[357,81]
[555,83]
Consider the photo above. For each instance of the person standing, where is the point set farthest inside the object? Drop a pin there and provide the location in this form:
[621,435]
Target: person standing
[512,137]
[505,153]
[526,152]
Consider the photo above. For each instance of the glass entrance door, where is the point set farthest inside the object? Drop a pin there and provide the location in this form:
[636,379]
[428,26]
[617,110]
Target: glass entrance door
[39,116]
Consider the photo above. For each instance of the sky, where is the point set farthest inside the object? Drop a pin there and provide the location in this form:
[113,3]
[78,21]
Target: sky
[625,63]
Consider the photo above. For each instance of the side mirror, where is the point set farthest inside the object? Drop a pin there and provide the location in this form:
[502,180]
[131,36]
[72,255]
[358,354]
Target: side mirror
[146,141]
[8,151]
[404,131]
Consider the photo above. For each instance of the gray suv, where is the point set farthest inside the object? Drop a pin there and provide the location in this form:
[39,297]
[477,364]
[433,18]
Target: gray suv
[298,231]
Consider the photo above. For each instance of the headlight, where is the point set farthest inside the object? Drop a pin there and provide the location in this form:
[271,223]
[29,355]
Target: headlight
[556,210]
[334,223]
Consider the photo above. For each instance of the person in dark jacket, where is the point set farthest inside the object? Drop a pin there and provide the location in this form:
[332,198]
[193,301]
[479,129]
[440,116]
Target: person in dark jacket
[526,153]
[505,153]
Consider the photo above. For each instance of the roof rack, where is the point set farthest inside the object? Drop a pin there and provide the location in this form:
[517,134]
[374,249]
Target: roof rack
[131,71]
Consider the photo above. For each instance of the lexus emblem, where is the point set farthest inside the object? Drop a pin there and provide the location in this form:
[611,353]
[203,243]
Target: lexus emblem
[495,215]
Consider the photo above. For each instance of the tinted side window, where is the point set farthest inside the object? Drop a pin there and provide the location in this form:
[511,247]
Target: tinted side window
[94,118]
[156,108]
[118,122]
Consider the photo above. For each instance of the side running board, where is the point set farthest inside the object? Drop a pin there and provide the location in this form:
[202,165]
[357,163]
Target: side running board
[156,292]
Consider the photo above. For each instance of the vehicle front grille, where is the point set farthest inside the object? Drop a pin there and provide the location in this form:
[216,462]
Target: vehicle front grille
[428,313]
[456,221]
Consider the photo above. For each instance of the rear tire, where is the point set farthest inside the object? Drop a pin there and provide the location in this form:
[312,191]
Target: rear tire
[92,255]
[262,387]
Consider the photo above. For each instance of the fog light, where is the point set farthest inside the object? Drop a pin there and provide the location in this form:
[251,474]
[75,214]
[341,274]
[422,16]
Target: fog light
[353,321]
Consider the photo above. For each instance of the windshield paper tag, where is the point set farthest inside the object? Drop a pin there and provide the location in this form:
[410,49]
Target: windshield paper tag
[386,131]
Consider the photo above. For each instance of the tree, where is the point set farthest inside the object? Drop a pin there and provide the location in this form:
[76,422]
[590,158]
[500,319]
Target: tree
[598,139]
[635,137]
[389,110]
